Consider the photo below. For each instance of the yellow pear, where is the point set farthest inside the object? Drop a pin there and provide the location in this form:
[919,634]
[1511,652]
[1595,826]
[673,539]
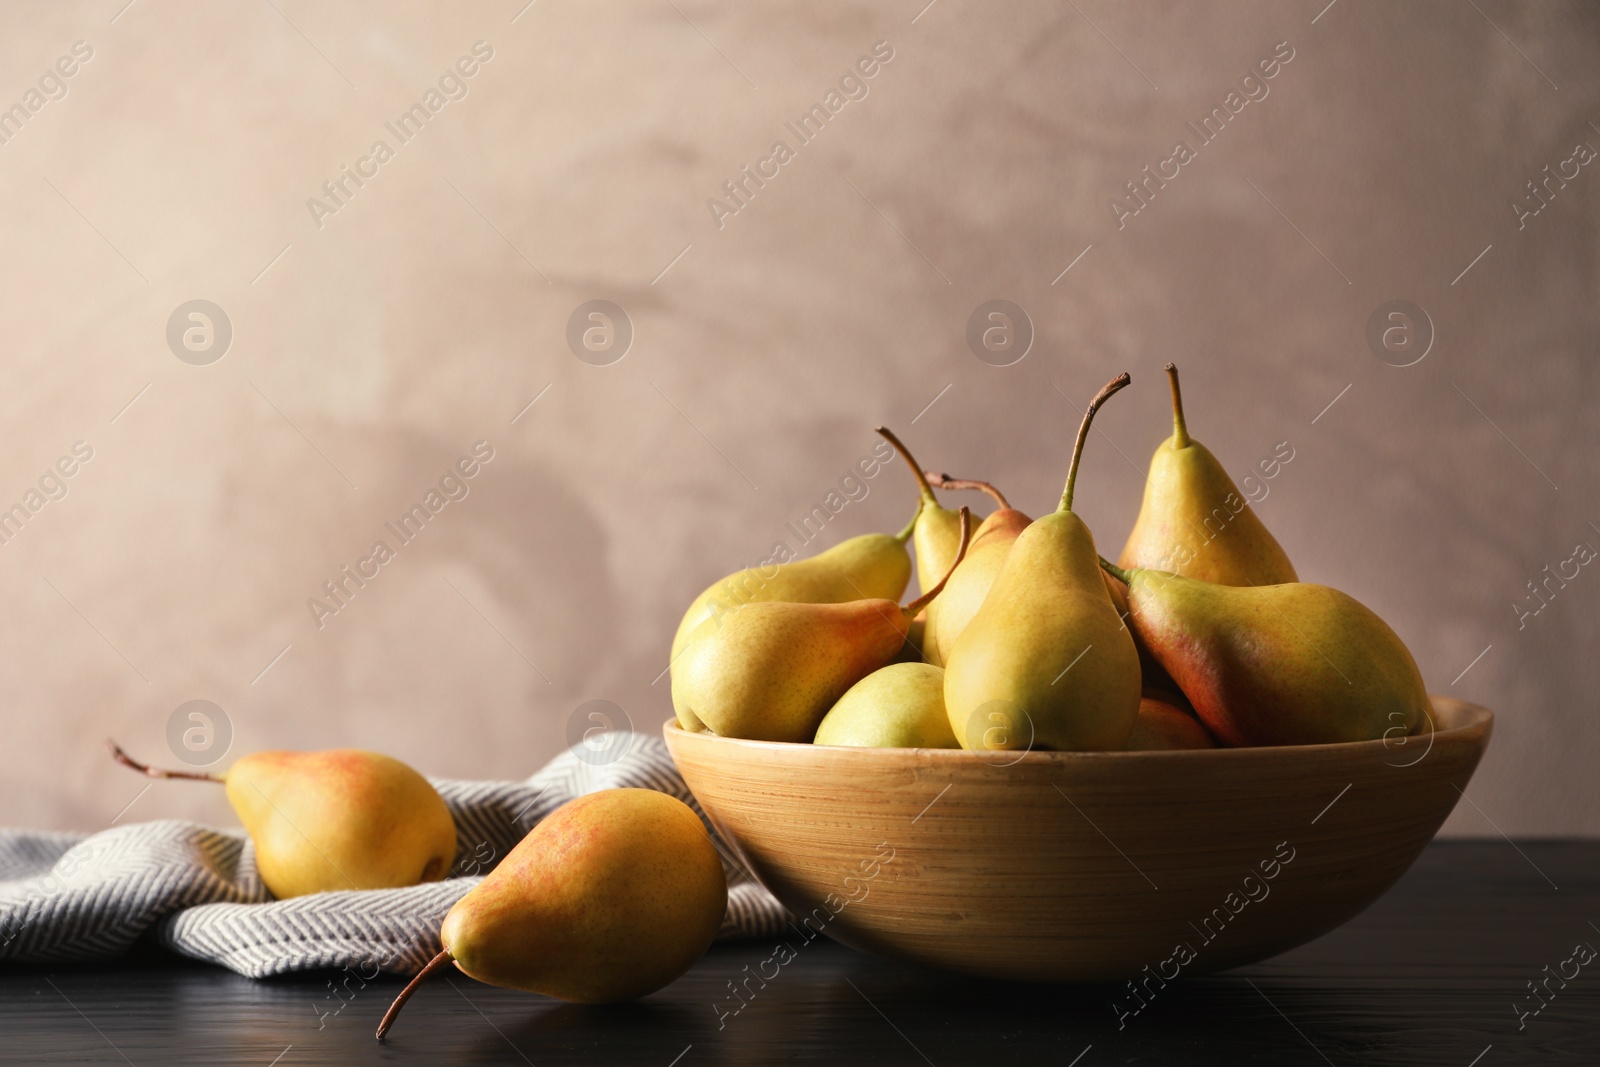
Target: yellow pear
[898,706]
[970,583]
[936,531]
[1046,662]
[612,896]
[1193,521]
[771,671]
[871,566]
[1288,664]
[340,819]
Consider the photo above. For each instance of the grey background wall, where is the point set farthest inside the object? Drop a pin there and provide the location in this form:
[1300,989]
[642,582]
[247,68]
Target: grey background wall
[374,345]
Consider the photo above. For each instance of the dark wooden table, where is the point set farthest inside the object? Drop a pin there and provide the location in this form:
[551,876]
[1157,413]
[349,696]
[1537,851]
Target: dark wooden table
[1432,974]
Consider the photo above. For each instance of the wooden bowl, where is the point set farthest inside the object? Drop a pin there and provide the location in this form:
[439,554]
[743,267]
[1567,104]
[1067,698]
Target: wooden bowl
[1081,866]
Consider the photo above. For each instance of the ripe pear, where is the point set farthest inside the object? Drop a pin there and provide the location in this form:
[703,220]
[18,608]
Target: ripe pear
[1162,725]
[936,530]
[341,819]
[871,566]
[771,671]
[1047,662]
[970,583]
[1288,664]
[612,896]
[898,706]
[1156,682]
[1193,521]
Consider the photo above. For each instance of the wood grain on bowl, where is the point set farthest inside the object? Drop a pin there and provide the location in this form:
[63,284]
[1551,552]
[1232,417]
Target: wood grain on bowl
[1082,866]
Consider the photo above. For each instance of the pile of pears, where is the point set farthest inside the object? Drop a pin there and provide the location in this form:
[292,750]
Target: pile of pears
[1024,637]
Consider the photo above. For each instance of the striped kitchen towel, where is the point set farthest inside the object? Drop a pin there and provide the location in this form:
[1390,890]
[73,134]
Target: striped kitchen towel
[76,897]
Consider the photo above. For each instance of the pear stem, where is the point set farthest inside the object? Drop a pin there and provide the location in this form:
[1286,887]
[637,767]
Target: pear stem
[434,964]
[905,535]
[1115,571]
[916,471]
[156,772]
[925,599]
[1120,381]
[944,481]
[1180,430]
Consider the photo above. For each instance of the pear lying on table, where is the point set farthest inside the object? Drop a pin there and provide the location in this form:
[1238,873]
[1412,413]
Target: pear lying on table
[340,819]
[771,671]
[1290,664]
[612,896]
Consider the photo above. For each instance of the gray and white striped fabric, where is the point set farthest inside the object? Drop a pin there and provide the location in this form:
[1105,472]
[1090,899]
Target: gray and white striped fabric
[79,897]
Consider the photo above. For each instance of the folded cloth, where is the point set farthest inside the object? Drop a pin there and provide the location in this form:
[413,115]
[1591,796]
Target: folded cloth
[78,897]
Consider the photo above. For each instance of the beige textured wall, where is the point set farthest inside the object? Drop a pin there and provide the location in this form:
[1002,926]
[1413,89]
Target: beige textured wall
[425,313]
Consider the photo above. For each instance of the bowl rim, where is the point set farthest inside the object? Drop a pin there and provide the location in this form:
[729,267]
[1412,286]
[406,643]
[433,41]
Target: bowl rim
[1475,723]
